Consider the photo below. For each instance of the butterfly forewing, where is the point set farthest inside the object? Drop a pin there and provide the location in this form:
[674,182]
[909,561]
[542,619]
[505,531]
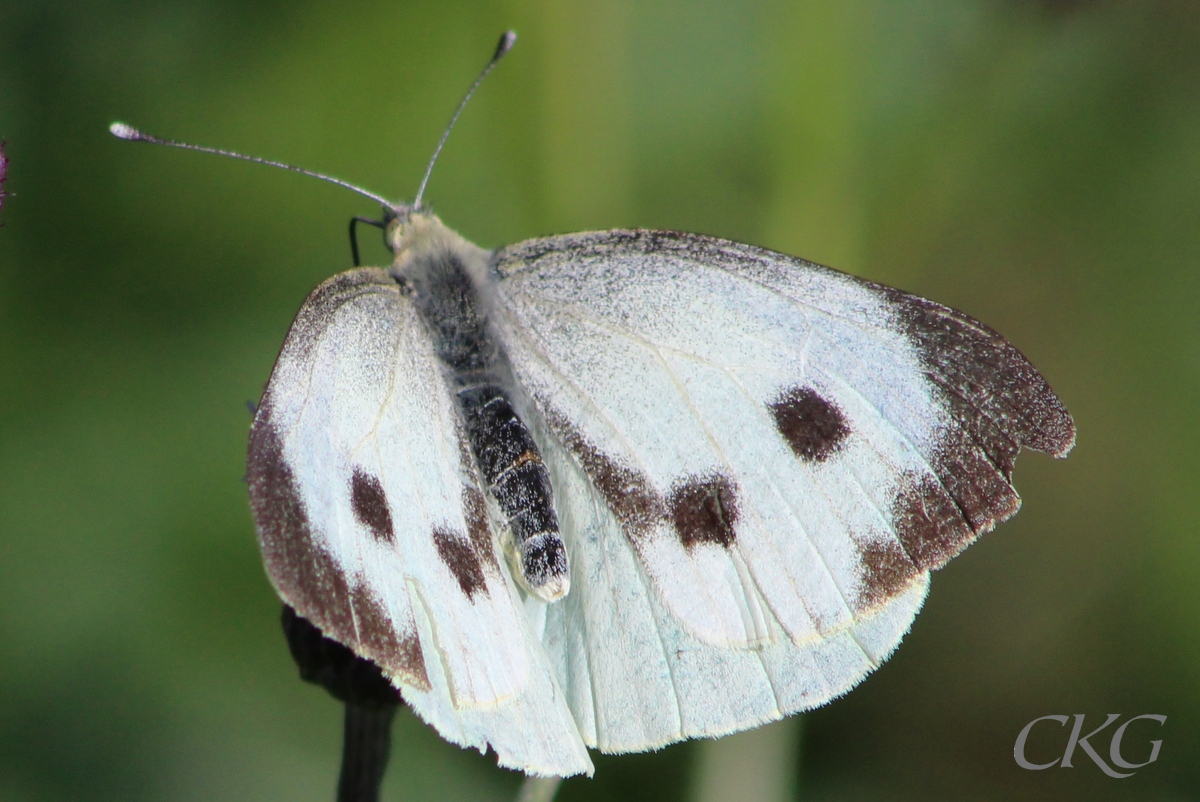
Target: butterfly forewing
[776,439]
[373,525]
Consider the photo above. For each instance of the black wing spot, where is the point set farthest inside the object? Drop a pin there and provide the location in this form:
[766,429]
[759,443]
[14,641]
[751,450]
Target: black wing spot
[458,555]
[628,493]
[370,505]
[814,427]
[311,579]
[704,510]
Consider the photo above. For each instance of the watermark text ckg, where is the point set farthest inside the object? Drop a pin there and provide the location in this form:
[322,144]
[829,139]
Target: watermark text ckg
[1077,740]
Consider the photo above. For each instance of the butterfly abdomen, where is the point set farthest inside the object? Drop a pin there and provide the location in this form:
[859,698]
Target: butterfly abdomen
[520,483]
[503,448]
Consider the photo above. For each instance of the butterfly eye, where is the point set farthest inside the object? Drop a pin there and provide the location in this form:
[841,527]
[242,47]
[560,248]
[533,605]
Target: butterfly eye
[410,229]
[397,231]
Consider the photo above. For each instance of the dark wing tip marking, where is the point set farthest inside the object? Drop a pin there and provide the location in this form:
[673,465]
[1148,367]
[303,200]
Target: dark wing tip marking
[459,556]
[704,510]
[370,505]
[379,640]
[886,572]
[814,427]
[332,665]
[997,403]
[930,527]
[935,520]
[987,372]
[308,577]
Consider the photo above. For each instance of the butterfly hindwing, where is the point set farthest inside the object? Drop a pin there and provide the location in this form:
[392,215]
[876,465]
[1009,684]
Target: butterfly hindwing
[373,525]
[636,679]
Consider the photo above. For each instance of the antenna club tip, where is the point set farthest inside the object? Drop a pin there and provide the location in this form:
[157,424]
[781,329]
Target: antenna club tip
[123,131]
[507,40]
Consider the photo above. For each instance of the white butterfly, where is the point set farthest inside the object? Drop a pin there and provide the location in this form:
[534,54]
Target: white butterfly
[621,488]
[755,463]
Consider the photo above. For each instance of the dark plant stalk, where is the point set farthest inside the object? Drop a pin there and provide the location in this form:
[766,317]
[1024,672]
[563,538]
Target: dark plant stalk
[365,752]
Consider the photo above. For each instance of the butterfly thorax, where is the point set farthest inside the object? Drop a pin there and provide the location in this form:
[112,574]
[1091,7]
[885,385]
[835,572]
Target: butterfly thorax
[446,277]
[443,273]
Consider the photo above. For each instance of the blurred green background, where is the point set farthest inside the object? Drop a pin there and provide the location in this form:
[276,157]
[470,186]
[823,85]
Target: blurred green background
[1036,164]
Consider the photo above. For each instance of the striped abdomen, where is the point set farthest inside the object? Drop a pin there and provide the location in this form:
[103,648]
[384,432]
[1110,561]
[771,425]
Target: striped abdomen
[520,483]
[503,448]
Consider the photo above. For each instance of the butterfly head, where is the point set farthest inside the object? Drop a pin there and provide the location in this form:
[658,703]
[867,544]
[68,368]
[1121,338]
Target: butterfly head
[416,236]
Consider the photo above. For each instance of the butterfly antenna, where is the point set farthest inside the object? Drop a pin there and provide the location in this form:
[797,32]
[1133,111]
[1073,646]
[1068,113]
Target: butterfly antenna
[507,40]
[128,132]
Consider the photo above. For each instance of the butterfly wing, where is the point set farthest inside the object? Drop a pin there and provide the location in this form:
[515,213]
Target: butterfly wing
[373,525]
[783,446]
[636,679]
[757,462]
